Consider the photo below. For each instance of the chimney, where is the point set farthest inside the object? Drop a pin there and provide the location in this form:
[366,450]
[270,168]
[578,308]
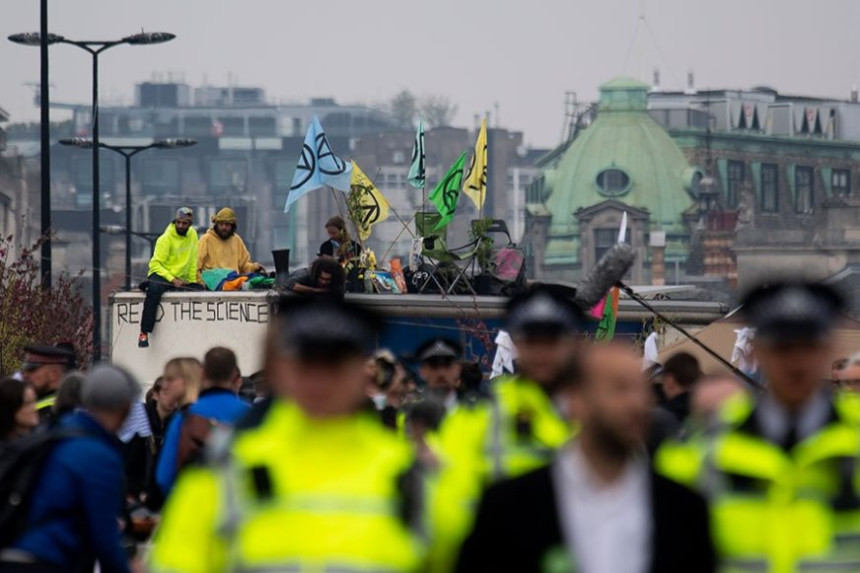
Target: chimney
[656,82]
[854,93]
[657,244]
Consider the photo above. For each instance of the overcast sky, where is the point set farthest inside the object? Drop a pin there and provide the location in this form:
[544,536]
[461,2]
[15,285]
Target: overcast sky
[522,54]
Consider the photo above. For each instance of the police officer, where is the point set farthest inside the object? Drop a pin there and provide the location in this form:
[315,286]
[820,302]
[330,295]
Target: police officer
[44,367]
[518,428]
[782,473]
[439,368]
[312,481]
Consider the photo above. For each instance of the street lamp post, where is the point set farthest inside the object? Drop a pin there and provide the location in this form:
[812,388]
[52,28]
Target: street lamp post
[95,48]
[129,151]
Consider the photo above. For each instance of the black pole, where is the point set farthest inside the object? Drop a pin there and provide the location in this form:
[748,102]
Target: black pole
[97,268]
[45,118]
[128,220]
[735,370]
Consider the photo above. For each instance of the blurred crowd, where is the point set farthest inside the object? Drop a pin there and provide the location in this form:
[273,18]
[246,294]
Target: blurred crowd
[580,456]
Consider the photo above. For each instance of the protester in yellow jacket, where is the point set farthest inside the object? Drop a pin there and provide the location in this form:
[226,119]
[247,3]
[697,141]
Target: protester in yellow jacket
[313,482]
[222,248]
[517,429]
[781,471]
[172,267]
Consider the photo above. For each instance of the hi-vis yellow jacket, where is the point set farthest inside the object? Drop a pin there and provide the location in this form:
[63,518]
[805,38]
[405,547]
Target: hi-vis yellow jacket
[515,431]
[297,494]
[775,511]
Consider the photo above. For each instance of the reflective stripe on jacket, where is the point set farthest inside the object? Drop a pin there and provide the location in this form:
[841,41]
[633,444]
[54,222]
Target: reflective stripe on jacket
[298,494]
[772,510]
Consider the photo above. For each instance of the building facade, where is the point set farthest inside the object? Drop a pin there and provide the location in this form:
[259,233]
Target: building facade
[766,179]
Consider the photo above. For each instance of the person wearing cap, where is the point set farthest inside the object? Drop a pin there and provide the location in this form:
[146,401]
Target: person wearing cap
[781,471]
[519,428]
[221,247]
[310,480]
[173,265]
[439,369]
[44,368]
[77,502]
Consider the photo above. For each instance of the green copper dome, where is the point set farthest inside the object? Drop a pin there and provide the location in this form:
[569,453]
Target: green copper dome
[626,156]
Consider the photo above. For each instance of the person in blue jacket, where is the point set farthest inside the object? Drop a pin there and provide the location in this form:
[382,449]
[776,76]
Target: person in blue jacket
[219,401]
[78,502]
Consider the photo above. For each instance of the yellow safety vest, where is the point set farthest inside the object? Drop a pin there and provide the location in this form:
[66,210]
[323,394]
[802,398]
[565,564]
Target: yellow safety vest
[516,430]
[46,403]
[297,494]
[775,511]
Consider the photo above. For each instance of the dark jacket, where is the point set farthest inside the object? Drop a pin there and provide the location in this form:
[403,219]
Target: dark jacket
[216,403]
[518,525]
[77,502]
[679,406]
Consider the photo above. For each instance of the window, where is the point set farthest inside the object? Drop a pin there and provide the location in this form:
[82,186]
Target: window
[82,177]
[805,189]
[605,239]
[769,188]
[735,181]
[841,182]
[613,182]
[283,179]
[160,177]
[227,176]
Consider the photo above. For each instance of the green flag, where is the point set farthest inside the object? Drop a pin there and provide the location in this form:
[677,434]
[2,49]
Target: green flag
[446,193]
[417,173]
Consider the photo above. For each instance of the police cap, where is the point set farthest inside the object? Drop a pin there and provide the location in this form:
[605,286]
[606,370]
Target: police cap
[41,355]
[324,329]
[543,312]
[787,312]
[439,350]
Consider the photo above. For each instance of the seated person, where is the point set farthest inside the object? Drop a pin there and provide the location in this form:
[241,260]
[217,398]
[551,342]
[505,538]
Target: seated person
[172,267]
[339,245]
[325,277]
[222,248]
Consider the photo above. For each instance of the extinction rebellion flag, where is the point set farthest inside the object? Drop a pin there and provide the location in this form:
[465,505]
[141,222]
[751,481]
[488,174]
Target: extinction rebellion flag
[446,193]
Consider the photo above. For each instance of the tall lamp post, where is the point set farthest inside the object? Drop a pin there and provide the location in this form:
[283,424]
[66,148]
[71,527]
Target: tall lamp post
[95,48]
[129,151]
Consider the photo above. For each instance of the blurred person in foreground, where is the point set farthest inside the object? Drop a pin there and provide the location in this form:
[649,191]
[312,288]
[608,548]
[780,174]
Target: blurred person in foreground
[310,480]
[781,470]
[77,504]
[518,428]
[598,507]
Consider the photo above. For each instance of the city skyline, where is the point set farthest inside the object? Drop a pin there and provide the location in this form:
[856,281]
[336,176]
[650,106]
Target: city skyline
[532,56]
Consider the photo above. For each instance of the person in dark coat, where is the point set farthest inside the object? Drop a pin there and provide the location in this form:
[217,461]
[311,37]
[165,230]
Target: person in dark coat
[598,507]
[680,374]
[77,502]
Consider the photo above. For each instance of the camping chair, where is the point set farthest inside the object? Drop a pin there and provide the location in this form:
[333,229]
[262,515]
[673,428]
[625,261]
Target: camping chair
[497,227]
[435,248]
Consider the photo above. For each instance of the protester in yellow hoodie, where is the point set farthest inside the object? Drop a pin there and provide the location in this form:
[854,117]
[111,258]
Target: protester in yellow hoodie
[222,248]
[171,267]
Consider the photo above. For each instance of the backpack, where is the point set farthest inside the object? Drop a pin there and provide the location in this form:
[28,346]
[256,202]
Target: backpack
[193,436]
[21,462]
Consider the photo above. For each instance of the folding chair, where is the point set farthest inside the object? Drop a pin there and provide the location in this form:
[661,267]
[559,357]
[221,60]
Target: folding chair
[435,248]
[497,227]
